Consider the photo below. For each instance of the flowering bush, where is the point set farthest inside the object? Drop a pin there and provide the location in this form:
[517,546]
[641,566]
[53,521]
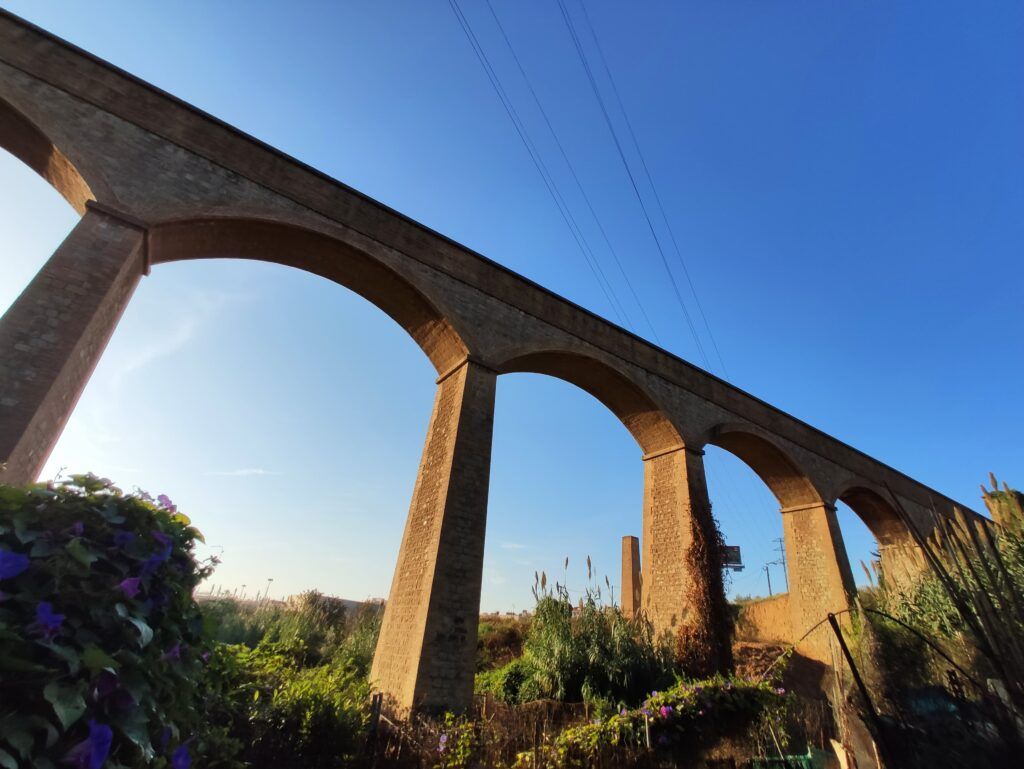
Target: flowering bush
[683,720]
[456,744]
[101,650]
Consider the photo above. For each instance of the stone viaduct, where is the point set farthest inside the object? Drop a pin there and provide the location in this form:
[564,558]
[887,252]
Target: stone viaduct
[156,180]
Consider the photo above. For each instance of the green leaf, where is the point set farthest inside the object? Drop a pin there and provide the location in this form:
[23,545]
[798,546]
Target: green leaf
[67,702]
[134,724]
[7,760]
[80,552]
[66,653]
[110,512]
[41,548]
[145,631]
[20,740]
[23,534]
[17,665]
[96,660]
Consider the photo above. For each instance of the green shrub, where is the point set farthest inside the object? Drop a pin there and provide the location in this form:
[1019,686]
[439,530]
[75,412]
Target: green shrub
[594,653]
[357,650]
[101,644]
[499,640]
[513,683]
[285,714]
[457,743]
[321,623]
[682,721]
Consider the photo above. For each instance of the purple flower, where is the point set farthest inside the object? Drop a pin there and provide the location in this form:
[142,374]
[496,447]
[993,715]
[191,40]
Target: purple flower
[12,564]
[622,712]
[174,653]
[665,711]
[91,753]
[130,586]
[654,694]
[123,700]
[106,684]
[442,743]
[162,538]
[153,562]
[180,759]
[780,691]
[165,502]
[205,656]
[163,739]
[123,538]
[47,620]
[645,711]
[77,529]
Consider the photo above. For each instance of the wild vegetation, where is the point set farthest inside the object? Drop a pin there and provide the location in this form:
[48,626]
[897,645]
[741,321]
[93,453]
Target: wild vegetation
[108,660]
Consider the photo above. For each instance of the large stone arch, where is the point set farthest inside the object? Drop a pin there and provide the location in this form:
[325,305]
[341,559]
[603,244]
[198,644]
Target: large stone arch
[790,483]
[901,558]
[649,424]
[305,249]
[877,512]
[680,586]
[817,566]
[23,139]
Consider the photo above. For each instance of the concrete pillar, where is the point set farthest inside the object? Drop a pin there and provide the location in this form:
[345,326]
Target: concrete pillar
[820,580]
[682,588]
[426,654]
[630,576]
[54,333]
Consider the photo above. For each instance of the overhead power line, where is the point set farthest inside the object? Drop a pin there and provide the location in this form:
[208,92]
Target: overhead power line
[654,189]
[572,170]
[629,172]
[538,161]
[727,488]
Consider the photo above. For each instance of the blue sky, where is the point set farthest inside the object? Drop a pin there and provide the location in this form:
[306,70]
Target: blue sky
[845,181]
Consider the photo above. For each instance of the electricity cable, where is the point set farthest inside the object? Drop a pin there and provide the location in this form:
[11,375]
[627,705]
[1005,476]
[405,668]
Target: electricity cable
[654,189]
[622,156]
[572,171]
[538,162]
[632,179]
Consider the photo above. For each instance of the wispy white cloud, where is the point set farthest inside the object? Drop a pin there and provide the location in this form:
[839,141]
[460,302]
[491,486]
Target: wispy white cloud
[191,314]
[512,546]
[243,472]
[494,577]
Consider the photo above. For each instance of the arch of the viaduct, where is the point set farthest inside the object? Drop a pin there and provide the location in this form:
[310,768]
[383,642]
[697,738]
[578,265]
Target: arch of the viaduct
[157,181]
[290,245]
[23,139]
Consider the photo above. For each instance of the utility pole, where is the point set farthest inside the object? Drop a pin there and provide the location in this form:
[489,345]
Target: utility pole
[768,574]
[781,550]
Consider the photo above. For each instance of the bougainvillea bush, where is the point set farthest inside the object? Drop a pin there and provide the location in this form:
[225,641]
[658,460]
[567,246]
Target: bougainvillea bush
[101,644]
